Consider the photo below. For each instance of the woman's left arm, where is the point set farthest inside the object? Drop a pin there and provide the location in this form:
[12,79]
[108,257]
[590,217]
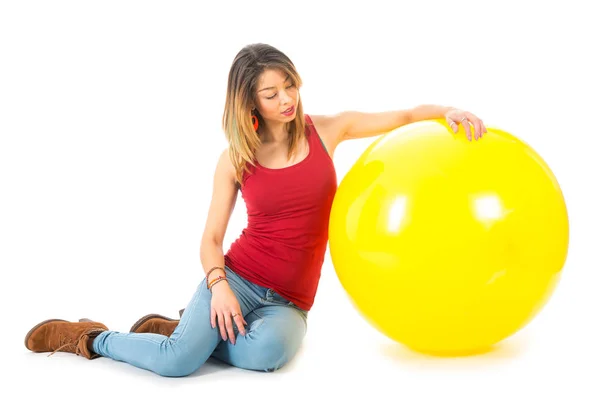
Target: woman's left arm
[354,124]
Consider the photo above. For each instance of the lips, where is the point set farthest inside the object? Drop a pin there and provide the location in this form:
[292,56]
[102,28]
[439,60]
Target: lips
[288,111]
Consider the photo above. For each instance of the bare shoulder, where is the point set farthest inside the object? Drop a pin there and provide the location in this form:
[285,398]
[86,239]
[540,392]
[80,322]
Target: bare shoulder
[331,129]
[225,169]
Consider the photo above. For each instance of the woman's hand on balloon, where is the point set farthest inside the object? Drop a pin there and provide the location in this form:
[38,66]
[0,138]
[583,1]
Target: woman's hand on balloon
[456,116]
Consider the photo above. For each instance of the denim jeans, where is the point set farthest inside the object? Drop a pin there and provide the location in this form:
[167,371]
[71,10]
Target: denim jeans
[274,334]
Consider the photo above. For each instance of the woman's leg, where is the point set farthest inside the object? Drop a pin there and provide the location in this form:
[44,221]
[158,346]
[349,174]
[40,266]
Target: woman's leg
[274,335]
[191,343]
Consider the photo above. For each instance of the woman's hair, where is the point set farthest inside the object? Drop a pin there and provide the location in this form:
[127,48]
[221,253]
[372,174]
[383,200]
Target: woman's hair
[246,69]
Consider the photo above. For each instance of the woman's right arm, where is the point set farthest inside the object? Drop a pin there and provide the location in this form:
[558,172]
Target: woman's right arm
[224,195]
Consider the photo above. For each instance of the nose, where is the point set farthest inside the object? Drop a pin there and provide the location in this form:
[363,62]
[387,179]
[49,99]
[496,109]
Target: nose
[285,98]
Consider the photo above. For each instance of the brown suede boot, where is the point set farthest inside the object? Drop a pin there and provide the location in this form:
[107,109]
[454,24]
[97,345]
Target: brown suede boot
[156,324]
[60,335]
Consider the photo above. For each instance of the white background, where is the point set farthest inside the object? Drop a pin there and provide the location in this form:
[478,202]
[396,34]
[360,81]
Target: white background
[110,128]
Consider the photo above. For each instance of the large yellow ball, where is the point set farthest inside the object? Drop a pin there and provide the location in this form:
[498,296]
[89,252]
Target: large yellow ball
[445,245]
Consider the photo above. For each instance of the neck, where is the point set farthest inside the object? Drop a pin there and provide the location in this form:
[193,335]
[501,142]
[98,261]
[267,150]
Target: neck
[275,133]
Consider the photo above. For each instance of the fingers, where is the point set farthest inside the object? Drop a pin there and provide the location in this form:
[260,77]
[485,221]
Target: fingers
[222,326]
[225,311]
[480,129]
[465,122]
[240,322]
[225,321]
[229,327]
[452,124]
[477,125]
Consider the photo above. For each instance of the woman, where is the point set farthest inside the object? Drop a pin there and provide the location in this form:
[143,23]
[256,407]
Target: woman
[251,308]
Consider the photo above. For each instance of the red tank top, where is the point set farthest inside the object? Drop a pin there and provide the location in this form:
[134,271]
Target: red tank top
[284,243]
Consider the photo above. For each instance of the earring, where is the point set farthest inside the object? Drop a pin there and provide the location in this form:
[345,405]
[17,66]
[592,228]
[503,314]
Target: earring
[255,122]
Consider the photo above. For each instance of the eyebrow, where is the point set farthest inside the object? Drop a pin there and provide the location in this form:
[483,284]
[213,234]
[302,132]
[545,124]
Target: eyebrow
[267,88]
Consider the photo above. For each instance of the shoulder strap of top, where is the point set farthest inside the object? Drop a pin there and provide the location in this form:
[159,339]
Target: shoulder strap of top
[311,128]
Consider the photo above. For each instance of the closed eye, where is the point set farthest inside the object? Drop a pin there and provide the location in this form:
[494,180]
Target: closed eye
[274,95]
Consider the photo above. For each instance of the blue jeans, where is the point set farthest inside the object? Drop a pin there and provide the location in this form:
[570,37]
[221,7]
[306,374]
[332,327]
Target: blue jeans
[274,334]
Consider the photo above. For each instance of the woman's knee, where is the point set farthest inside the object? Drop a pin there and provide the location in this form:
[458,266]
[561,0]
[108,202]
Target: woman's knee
[178,362]
[272,359]
[275,351]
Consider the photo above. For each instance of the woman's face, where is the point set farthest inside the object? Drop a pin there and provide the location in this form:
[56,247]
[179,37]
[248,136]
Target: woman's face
[276,95]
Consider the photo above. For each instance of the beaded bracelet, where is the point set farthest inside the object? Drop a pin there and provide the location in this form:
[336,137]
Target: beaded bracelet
[215,281]
[210,271]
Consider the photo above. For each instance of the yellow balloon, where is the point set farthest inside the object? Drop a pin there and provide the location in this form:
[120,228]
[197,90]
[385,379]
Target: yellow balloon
[446,245]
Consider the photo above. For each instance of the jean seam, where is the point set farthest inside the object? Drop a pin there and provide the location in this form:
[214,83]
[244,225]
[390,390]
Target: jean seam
[256,314]
[148,339]
[140,336]
[195,302]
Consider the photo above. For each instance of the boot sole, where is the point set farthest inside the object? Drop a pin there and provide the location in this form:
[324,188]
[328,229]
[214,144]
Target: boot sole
[38,326]
[146,318]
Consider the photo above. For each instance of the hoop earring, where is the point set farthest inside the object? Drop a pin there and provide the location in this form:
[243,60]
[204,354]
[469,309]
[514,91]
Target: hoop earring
[255,122]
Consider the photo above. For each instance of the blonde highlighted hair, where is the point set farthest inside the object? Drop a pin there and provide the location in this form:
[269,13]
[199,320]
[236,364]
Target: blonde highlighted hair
[245,71]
